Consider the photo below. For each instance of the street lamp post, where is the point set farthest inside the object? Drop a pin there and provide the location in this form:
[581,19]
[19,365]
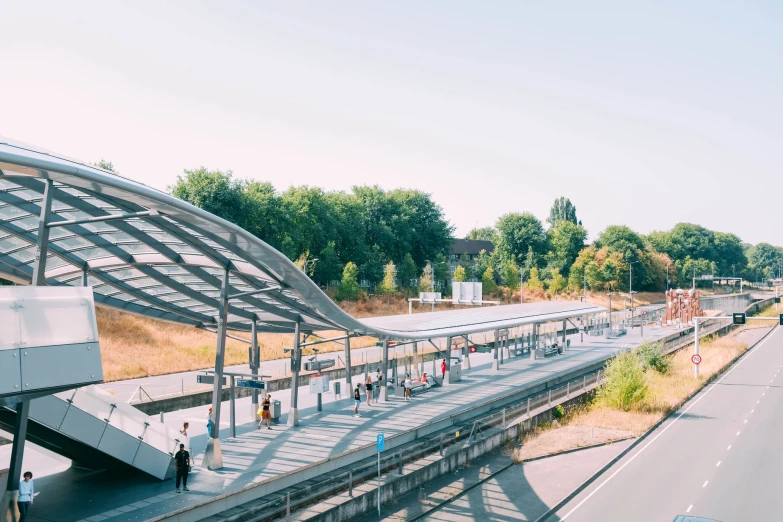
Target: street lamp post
[609,335]
[630,286]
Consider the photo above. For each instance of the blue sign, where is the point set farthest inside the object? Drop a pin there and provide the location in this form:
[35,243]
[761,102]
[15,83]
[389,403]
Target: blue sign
[258,385]
[379,442]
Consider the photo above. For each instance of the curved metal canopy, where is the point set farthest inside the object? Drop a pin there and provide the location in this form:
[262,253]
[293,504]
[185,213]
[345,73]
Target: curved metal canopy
[147,252]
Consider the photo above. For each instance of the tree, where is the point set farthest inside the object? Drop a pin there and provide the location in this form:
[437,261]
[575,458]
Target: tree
[441,270]
[349,285]
[557,282]
[214,191]
[517,235]
[509,272]
[562,210]
[488,284]
[459,274]
[533,280]
[426,282]
[467,266]
[481,263]
[764,260]
[406,271]
[372,270]
[388,286]
[328,267]
[484,234]
[566,240]
[106,165]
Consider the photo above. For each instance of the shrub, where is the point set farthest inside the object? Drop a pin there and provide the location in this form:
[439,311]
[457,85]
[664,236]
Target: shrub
[349,286]
[651,356]
[624,385]
[558,412]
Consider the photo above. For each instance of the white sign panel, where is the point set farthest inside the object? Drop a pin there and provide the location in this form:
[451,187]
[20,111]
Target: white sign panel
[466,293]
[319,384]
[429,297]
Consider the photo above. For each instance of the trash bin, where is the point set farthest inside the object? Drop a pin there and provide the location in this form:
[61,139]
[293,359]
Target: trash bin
[337,388]
[276,411]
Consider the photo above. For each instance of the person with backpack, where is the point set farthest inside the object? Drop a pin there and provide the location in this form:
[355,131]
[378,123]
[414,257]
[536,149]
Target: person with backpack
[182,461]
[357,400]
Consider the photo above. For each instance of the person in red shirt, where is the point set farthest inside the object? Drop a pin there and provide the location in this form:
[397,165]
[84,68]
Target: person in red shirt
[443,368]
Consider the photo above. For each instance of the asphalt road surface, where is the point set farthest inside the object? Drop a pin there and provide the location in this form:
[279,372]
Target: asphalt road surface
[719,457]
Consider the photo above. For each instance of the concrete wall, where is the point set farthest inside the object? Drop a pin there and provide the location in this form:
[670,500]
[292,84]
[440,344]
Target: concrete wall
[727,303]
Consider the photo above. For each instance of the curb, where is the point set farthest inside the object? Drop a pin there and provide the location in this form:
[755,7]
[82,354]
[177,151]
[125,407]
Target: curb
[574,450]
[568,498]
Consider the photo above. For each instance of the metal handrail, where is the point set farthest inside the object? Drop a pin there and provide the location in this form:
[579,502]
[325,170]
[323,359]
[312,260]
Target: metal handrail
[349,479]
[139,390]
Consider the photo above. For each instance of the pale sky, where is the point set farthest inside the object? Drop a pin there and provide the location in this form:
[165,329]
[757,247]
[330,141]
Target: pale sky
[643,116]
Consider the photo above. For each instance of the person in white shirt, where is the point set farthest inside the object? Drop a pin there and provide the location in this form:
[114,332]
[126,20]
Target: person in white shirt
[26,492]
[408,386]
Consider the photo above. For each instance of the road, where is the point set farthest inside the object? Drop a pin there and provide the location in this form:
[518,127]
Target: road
[718,457]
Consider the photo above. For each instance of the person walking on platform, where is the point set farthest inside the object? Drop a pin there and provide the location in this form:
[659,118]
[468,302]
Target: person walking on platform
[210,422]
[182,461]
[26,493]
[266,413]
[368,389]
[443,369]
[357,400]
[408,386]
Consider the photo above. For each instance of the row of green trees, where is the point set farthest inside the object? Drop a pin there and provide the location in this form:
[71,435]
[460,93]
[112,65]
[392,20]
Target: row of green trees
[557,258]
[398,240]
[323,231]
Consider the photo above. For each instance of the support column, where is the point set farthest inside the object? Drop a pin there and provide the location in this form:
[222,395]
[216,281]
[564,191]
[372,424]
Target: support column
[384,394]
[466,358]
[255,364]
[232,410]
[11,493]
[348,380]
[495,363]
[447,377]
[416,365]
[565,328]
[296,366]
[85,274]
[42,244]
[213,457]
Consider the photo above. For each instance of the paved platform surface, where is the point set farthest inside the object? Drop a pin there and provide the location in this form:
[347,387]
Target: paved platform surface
[255,455]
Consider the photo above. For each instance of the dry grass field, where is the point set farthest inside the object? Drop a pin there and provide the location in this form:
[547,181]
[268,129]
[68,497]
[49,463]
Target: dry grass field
[134,346]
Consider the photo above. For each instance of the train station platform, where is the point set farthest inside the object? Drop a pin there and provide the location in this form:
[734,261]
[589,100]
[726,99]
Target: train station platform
[264,461]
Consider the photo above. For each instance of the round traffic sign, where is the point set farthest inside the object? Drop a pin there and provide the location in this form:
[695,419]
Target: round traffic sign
[696,359]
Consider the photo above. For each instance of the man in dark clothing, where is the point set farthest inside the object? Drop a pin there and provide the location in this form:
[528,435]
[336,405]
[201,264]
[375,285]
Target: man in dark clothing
[182,460]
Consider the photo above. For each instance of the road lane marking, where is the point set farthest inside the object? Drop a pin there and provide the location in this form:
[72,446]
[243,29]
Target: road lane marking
[746,421]
[737,434]
[705,483]
[694,403]
[718,464]
[689,508]
[727,449]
